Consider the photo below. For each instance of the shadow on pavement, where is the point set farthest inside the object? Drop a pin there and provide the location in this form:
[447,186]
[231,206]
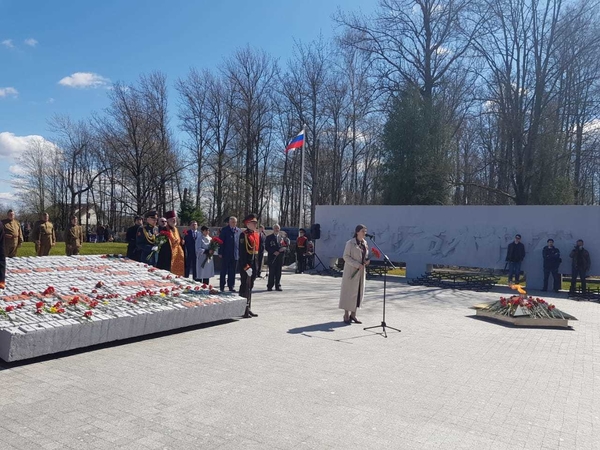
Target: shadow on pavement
[327,327]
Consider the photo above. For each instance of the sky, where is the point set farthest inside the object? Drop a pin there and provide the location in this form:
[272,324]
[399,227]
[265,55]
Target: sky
[60,57]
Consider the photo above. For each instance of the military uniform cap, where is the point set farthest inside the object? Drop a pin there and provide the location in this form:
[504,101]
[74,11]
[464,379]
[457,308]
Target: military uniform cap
[251,218]
[152,213]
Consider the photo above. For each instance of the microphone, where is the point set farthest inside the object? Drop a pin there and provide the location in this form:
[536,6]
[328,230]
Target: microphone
[370,235]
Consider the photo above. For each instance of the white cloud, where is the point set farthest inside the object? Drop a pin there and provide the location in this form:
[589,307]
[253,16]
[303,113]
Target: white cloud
[7,197]
[13,146]
[50,100]
[31,42]
[16,169]
[5,92]
[8,43]
[84,80]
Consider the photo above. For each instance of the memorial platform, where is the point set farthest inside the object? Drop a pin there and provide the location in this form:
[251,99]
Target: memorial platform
[54,304]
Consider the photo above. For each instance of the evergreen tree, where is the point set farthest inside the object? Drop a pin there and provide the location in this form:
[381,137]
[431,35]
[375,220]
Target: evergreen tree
[416,166]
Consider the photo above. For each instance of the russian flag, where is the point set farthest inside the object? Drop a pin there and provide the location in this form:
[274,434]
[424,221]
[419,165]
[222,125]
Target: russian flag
[295,143]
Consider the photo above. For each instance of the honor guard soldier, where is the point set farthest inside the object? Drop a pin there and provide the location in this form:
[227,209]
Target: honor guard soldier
[73,237]
[146,238]
[131,238]
[13,235]
[44,235]
[249,247]
[301,244]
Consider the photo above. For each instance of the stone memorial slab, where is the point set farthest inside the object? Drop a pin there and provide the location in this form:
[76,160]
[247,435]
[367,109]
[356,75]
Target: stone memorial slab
[58,303]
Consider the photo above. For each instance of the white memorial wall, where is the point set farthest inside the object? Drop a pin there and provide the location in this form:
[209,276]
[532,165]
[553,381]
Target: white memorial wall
[467,236]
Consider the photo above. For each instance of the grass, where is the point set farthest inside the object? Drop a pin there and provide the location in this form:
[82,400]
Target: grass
[401,272]
[88,248]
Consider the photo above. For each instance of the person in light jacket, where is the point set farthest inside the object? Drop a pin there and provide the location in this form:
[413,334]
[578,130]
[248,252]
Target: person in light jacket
[356,258]
[204,256]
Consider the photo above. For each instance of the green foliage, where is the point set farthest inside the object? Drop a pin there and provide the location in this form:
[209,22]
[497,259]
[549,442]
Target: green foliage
[554,191]
[188,212]
[416,167]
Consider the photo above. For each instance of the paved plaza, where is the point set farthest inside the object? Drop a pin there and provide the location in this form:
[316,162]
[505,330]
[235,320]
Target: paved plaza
[297,377]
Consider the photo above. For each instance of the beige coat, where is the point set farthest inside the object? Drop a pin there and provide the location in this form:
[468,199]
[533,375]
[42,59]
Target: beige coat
[353,288]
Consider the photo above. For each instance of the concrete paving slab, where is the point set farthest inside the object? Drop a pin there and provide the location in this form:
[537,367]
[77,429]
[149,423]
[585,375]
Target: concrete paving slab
[296,377]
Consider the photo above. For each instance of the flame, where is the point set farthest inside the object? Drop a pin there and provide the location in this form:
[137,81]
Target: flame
[519,289]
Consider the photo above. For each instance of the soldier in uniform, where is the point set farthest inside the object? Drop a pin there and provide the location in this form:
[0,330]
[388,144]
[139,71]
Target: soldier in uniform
[44,235]
[131,238]
[146,238]
[301,251]
[74,237]
[13,235]
[249,248]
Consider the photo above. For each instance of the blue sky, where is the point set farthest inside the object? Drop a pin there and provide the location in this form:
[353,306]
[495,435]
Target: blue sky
[43,42]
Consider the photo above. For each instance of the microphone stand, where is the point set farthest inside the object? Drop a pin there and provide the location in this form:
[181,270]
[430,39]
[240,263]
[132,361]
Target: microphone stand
[388,264]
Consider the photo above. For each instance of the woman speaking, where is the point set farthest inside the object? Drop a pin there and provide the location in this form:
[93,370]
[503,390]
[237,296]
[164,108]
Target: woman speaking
[356,258]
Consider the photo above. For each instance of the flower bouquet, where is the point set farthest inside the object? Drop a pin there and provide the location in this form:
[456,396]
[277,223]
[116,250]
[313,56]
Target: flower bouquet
[159,241]
[214,245]
[523,306]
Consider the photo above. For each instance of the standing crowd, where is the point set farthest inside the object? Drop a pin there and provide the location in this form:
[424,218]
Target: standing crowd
[158,242]
[580,264]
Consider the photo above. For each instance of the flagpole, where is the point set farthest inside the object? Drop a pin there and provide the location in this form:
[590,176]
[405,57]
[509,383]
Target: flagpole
[302,179]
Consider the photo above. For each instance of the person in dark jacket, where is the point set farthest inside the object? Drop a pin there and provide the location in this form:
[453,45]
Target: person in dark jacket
[229,252]
[580,265]
[551,256]
[276,245]
[190,249]
[514,257]
[108,235]
[132,251]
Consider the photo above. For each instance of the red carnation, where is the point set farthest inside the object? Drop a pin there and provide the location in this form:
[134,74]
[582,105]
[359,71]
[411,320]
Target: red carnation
[39,305]
[376,252]
[88,314]
[9,308]
[218,240]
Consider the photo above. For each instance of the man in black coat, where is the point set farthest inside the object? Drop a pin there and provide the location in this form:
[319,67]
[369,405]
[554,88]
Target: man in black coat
[552,261]
[276,246]
[190,249]
[229,253]
[514,256]
[580,265]
[130,237]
